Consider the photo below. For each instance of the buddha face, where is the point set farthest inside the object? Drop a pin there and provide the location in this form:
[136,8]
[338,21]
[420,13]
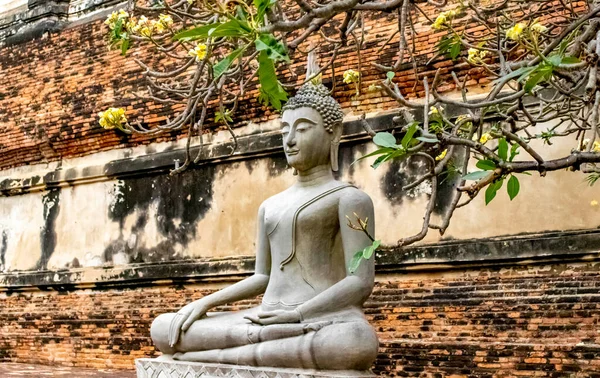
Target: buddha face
[305,141]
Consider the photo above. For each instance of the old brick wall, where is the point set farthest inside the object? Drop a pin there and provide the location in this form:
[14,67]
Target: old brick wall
[533,317]
[56,85]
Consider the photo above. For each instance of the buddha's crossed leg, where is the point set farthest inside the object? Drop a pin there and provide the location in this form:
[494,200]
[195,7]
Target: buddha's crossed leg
[229,338]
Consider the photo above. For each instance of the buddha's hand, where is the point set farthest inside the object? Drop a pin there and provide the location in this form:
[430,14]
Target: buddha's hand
[276,317]
[184,318]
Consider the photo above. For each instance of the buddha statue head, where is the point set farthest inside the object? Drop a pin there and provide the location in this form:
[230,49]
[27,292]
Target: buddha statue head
[311,125]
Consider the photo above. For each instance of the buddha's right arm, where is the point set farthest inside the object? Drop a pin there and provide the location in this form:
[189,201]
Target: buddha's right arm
[248,288]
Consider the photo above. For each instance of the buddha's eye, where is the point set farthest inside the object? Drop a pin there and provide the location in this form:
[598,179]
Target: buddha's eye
[303,126]
[285,130]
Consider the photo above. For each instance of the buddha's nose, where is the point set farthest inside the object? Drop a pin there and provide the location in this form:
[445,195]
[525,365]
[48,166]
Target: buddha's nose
[291,139]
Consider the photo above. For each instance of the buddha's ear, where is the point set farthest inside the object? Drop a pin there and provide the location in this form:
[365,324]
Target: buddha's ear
[336,132]
[336,135]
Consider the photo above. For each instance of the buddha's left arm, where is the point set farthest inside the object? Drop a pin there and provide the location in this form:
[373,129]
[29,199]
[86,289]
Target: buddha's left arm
[355,288]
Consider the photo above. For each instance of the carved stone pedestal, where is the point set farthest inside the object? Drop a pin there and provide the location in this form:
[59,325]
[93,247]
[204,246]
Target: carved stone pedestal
[153,368]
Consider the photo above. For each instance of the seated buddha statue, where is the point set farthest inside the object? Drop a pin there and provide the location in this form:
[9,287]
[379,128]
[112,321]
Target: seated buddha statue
[311,312]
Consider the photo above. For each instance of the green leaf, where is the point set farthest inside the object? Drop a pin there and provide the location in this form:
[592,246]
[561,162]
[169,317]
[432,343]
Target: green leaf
[231,28]
[125,46]
[355,262]
[116,32]
[450,46]
[271,91]
[195,33]
[513,151]
[521,73]
[262,7]
[380,160]
[428,139]
[570,60]
[390,75]
[477,175]
[412,129]
[455,50]
[486,165]
[491,191]
[240,13]
[544,72]
[503,149]
[368,252]
[274,49]
[222,66]
[554,60]
[385,139]
[513,187]
[385,150]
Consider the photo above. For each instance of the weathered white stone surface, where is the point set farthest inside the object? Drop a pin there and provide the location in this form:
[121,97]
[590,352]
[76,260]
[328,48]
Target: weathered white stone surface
[155,368]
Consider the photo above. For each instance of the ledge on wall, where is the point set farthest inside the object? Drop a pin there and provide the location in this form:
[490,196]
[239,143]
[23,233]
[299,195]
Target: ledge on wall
[527,249]
[30,19]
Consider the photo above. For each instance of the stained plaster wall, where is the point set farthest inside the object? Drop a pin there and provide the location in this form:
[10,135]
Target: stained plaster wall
[122,207]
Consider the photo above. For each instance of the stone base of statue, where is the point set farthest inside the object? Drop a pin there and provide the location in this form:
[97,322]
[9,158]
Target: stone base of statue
[156,368]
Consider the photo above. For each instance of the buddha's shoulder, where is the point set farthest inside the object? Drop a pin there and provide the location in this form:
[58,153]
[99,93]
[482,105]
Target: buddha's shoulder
[274,200]
[346,194]
[353,195]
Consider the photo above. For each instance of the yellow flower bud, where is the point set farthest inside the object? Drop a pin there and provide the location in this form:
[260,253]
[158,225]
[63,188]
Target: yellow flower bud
[199,52]
[443,18]
[166,20]
[538,28]
[146,31]
[442,155]
[516,31]
[434,110]
[351,76]
[112,117]
[485,138]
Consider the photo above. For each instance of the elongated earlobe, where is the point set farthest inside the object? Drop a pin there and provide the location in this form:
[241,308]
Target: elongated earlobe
[333,154]
[335,147]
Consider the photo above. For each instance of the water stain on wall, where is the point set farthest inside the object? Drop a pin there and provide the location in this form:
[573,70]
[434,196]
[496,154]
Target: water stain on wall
[51,202]
[3,247]
[179,202]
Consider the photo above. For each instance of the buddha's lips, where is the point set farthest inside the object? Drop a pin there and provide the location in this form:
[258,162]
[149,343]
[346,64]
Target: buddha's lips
[292,152]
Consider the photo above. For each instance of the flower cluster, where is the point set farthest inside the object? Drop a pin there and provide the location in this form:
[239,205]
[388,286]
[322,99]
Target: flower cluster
[146,27]
[115,17]
[434,111]
[485,138]
[443,18]
[586,142]
[113,118]
[351,76]
[199,52]
[476,56]
[538,28]
[515,33]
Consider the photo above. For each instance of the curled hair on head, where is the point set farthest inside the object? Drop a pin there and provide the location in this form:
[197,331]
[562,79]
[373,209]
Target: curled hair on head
[317,97]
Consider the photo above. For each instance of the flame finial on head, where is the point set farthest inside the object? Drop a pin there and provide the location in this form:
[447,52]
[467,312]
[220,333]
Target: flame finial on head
[315,95]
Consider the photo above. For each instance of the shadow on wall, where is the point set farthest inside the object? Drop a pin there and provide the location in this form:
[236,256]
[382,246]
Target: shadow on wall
[179,202]
[51,202]
[3,247]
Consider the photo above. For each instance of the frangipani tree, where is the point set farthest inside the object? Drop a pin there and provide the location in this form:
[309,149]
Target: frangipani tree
[542,57]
